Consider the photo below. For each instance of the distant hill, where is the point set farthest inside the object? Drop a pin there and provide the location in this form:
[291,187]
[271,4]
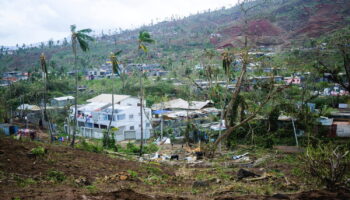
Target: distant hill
[277,23]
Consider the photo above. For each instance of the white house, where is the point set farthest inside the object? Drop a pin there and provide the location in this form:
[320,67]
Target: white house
[62,101]
[94,117]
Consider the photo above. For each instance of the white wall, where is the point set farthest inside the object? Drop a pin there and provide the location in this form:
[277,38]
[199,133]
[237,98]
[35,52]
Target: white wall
[131,122]
[343,130]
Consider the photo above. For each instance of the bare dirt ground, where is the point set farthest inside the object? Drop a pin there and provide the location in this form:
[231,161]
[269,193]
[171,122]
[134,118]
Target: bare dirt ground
[88,175]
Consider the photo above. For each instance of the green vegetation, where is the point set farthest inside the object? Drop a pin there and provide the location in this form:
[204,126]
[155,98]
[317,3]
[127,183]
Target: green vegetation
[132,173]
[327,164]
[24,182]
[155,175]
[91,147]
[131,148]
[92,189]
[38,151]
[55,176]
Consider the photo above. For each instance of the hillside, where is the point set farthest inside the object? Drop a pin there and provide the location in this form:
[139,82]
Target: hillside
[278,23]
[66,173]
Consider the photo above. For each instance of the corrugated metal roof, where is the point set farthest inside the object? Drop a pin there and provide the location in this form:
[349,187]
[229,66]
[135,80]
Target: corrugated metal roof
[181,104]
[63,98]
[28,107]
[107,98]
[93,107]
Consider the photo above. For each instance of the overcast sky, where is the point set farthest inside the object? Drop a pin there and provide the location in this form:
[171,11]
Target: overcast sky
[33,21]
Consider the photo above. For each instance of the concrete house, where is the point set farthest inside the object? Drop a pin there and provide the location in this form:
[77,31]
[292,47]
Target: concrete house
[62,101]
[93,118]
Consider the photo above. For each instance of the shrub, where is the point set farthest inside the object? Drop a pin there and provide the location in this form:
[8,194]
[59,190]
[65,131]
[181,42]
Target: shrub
[89,147]
[108,139]
[56,176]
[327,164]
[132,148]
[151,148]
[38,151]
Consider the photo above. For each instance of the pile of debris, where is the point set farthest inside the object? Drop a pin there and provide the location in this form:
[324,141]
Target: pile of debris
[120,176]
[183,154]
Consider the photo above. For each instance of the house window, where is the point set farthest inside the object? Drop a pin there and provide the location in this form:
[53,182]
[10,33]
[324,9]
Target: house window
[132,128]
[138,104]
[147,125]
[131,116]
[105,117]
[121,117]
[110,117]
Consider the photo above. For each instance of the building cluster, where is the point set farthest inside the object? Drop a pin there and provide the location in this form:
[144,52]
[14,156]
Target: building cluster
[8,78]
[105,70]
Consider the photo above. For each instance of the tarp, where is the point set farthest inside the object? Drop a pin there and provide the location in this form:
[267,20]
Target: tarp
[159,112]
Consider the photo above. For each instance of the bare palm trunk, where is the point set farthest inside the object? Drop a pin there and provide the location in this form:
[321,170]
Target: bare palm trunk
[141,111]
[74,46]
[45,110]
[110,121]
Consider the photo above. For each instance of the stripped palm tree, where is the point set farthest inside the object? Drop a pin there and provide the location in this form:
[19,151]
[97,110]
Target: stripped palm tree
[43,65]
[78,37]
[115,70]
[143,39]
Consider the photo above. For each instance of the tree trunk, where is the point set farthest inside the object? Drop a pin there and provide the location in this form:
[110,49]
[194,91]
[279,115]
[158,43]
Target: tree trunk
[45,110]
[74,46]
[110,121]
[141,111]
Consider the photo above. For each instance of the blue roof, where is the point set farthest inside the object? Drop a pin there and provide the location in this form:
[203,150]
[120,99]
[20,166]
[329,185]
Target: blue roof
[157,112]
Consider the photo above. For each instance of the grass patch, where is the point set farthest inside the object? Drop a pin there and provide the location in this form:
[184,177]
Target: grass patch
[242,188]
[132,173]
[289,159]
[221,173]
[55,176]
[89,147]
[92,189]
[155,175]
[24,182]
